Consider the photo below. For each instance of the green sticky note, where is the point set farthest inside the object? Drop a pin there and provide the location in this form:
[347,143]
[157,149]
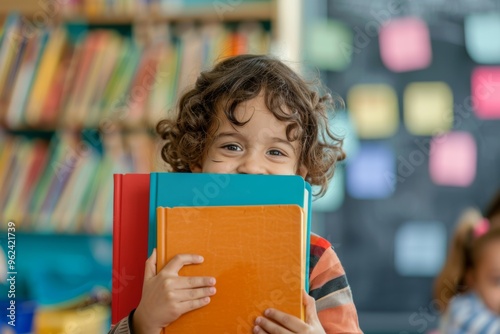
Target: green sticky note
[328,45]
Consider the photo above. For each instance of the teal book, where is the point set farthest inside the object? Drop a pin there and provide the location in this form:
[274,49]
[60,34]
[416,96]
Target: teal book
[204,189]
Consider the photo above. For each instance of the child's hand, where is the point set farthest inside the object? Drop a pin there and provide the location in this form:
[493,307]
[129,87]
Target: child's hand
[167,296]
[278,322]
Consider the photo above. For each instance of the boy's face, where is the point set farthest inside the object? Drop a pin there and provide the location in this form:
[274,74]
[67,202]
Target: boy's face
[486,280]
[258,147]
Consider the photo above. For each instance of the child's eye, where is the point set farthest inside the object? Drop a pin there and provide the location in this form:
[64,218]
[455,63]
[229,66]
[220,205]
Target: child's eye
[232,147]
[276,153]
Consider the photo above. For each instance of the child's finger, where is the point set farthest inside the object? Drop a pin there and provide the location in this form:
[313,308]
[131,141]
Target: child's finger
[194,282]
[179,261]
[193,294]
[193,304]
[284,320]
[310,308]
[150,270]
[265,325]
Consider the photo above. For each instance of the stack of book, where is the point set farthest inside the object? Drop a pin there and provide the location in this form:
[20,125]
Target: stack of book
[252,230]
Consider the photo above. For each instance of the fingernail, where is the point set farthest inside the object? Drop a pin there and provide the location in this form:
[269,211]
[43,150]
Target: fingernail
[200,258]
[267,312]
[211,290]
[206,300]
[258,320]
[212,281]
[256,329]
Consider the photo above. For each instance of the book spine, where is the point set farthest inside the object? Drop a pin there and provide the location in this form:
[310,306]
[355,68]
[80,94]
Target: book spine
[308,235]
[161,247]
[117,204]
[152,211]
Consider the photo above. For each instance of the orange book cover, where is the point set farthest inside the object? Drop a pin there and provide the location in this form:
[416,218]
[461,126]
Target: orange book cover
[255,254]
[52,103]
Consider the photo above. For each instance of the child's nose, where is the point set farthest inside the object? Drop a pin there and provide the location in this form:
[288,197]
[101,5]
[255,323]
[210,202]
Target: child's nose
[251,165]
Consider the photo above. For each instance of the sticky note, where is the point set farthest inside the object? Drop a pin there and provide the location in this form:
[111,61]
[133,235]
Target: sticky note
[374,109]
[482,42]
[428,108]
[328,45]
[342,126]
[420,248]
[452,160]
[370,173]
[485,85]
[334,196]
[405,44]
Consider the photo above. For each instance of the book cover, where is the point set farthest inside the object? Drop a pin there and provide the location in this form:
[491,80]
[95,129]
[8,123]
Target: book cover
[206,189]
[20,92]
[41,155]
[255,254]
[130,230]
[45,73]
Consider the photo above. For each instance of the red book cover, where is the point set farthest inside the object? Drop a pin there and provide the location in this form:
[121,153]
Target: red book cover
[130,242]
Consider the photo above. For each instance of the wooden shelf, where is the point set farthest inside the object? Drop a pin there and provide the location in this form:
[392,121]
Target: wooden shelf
[259,11]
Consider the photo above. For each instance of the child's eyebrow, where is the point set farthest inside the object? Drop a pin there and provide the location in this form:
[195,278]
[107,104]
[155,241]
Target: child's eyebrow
[227,134]
[283,141]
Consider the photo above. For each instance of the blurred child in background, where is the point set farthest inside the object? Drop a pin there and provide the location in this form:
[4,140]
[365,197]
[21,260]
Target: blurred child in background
[468,287]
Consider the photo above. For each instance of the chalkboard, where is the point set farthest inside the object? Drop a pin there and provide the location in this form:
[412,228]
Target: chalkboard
[363,231]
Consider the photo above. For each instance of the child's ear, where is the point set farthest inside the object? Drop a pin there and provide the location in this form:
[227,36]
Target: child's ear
[302,171]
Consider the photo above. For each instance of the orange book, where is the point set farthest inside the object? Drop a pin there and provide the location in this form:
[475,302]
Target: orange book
[255,253]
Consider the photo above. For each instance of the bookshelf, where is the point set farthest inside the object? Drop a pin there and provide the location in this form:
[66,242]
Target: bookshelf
[258,11]
[58,154]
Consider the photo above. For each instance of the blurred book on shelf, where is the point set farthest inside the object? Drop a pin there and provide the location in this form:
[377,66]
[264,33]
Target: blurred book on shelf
[64,186]
[48,82]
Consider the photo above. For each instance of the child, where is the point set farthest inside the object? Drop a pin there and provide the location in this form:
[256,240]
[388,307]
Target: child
[468,287]
[254,115]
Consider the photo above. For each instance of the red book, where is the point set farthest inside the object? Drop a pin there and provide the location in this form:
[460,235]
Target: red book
[130,242]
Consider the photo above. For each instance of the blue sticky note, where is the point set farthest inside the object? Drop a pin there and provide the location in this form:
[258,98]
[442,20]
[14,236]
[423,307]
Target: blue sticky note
[342,125]
[481,37]
[334,196]
[370,173]
[420,248]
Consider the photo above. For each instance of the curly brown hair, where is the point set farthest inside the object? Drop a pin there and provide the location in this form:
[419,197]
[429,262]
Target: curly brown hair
[241,78]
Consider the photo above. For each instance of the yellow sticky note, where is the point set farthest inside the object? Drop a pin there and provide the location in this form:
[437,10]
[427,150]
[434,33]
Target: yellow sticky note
[428,108]
[374,109]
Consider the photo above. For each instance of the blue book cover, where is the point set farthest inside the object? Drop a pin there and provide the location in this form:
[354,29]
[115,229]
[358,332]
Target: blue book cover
[204,189]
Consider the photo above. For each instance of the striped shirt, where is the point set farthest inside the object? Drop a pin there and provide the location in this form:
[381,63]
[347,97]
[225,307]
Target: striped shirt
[328,285]
[467,314]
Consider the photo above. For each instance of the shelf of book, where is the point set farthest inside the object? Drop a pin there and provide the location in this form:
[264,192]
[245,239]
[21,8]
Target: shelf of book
[217,11]
[58,79]
[77,105]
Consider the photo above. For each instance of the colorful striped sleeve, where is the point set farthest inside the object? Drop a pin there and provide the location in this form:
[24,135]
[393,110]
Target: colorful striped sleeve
[330,289]
[123,326]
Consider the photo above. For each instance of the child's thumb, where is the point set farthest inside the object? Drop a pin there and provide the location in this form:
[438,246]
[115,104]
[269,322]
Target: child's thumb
[310,308]
[150,270]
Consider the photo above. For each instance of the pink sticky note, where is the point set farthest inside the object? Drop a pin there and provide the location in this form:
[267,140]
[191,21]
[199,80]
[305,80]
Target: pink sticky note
[405,44]
[453,159]
[485,87]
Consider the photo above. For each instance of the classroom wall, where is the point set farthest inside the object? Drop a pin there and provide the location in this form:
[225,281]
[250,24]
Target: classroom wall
[394,215]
